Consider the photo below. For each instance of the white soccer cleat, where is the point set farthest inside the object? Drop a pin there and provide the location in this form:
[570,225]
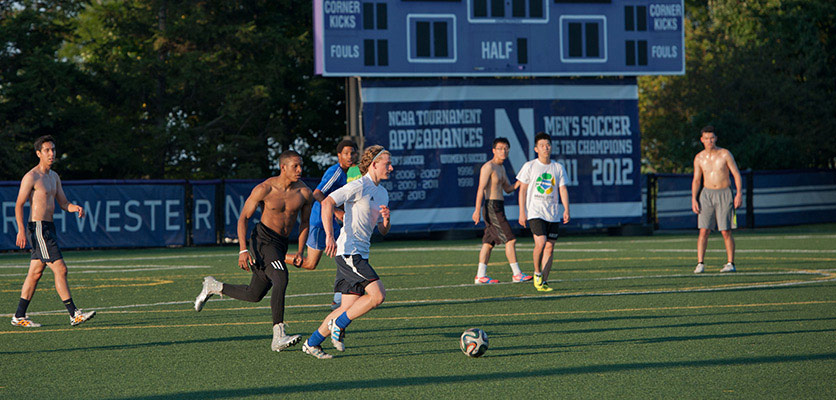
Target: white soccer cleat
[700,268]
[282,341]
[337,335]
[315,351]
[80,317]
[729,267]
[25,322]
[210,286]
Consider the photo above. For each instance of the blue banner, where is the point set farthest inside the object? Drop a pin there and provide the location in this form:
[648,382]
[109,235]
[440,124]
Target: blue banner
[203,211]
[440,136]
[794,197]
[118,214]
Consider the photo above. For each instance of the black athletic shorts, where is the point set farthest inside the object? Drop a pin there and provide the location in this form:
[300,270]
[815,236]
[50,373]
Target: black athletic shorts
[44,241]
[541,227]
[268,248]
[497,228]
[353,274]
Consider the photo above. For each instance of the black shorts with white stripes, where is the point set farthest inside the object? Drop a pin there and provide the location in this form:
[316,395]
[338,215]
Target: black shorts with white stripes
[268,248]
[354,273]
[44,241]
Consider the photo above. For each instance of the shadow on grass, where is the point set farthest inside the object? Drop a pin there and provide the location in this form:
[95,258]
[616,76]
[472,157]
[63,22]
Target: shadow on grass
[323,388]
[265,338]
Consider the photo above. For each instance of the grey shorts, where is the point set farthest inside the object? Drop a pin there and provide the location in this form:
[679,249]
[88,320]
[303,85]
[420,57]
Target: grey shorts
[716,209]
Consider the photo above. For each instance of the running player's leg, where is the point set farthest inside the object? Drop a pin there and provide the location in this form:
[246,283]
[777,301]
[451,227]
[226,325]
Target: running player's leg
[539,246]
[36,271]
[279,277]
[59,269]
[548,258]
[254,292]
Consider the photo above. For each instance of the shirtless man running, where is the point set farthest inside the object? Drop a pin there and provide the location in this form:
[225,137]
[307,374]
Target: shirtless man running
[281,199]
[41,186]
[714,203]
[492,182]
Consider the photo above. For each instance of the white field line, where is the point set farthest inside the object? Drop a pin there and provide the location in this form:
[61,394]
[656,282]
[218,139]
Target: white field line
[825,272]
[474,247]
[115,268]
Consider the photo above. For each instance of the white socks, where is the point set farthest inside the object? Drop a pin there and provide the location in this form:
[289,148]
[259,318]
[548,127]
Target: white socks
[483,269]
[515,269]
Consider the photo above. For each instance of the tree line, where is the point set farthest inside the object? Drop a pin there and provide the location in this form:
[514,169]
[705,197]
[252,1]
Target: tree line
[216,89]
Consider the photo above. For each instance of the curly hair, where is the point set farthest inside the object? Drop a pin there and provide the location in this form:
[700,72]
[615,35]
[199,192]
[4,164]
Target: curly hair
[369,155]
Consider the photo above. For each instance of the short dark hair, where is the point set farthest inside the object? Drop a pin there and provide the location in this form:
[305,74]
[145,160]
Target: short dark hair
[500,140]
[286,155]
[346,143]
[41,140]
[541,136]
[708,129]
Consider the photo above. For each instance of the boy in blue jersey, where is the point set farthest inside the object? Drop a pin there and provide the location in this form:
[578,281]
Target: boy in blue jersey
[334,178]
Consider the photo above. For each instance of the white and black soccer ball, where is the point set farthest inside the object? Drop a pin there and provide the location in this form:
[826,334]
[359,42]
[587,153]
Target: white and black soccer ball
[474,342]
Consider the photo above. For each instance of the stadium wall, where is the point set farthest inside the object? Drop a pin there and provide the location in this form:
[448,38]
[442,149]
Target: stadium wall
[142,213]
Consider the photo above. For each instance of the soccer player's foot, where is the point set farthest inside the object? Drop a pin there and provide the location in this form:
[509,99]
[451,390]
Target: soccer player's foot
[729,267]
[282,341]
[210,286]
[337,335]
[25,322]
[484,280]
[700,268]
[80,317]
[538,281]
[544,287]
[315,351]
[521,278]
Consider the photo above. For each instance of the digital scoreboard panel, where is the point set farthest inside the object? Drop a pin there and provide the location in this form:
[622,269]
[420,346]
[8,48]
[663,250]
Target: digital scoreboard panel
[412,38]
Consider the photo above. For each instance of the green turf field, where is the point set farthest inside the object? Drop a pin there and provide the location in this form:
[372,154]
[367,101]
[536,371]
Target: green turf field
[628,319]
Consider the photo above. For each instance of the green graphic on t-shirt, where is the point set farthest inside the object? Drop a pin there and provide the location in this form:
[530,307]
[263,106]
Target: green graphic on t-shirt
[353,173]
[545,183]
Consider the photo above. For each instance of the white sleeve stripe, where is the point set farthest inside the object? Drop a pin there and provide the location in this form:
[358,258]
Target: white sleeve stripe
[331,181]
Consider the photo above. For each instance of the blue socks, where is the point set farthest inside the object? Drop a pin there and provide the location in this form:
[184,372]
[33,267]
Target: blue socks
[316,339]
[343,321]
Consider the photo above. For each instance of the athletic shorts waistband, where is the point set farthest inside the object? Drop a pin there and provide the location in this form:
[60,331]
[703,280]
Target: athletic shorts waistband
[264,232]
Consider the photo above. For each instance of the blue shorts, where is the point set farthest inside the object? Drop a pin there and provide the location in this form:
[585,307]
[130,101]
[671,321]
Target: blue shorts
[316,236]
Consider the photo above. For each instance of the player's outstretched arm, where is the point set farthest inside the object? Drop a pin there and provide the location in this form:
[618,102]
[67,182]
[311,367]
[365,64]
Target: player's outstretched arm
[257,195]
[65,204]
[738,180]
[484,177]
[26,186]
[564,198]
[328,225]
[695,186]
[304,229]
[384,226]
[522,195]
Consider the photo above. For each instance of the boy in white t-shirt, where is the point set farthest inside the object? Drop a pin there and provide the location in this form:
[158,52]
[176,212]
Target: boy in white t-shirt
[541,180]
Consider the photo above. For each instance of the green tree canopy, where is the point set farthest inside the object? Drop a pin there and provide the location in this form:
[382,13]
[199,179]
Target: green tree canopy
[763,72]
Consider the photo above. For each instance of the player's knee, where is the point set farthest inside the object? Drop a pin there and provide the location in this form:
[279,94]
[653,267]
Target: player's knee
[512,243]
[378,298]
[36,275]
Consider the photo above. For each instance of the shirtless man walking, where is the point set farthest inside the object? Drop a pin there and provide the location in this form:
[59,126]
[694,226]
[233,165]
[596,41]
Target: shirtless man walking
[41,186]
[714,203]
[492,182]
[281,199]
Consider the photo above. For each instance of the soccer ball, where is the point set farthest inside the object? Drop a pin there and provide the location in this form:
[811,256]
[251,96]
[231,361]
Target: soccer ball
[474,342]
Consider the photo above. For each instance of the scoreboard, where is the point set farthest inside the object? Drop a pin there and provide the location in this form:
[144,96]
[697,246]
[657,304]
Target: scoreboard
[415,38]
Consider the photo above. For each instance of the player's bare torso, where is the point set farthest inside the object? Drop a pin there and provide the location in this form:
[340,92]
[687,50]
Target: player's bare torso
[496,180]
[281,205]
[714,166]
[42,196]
